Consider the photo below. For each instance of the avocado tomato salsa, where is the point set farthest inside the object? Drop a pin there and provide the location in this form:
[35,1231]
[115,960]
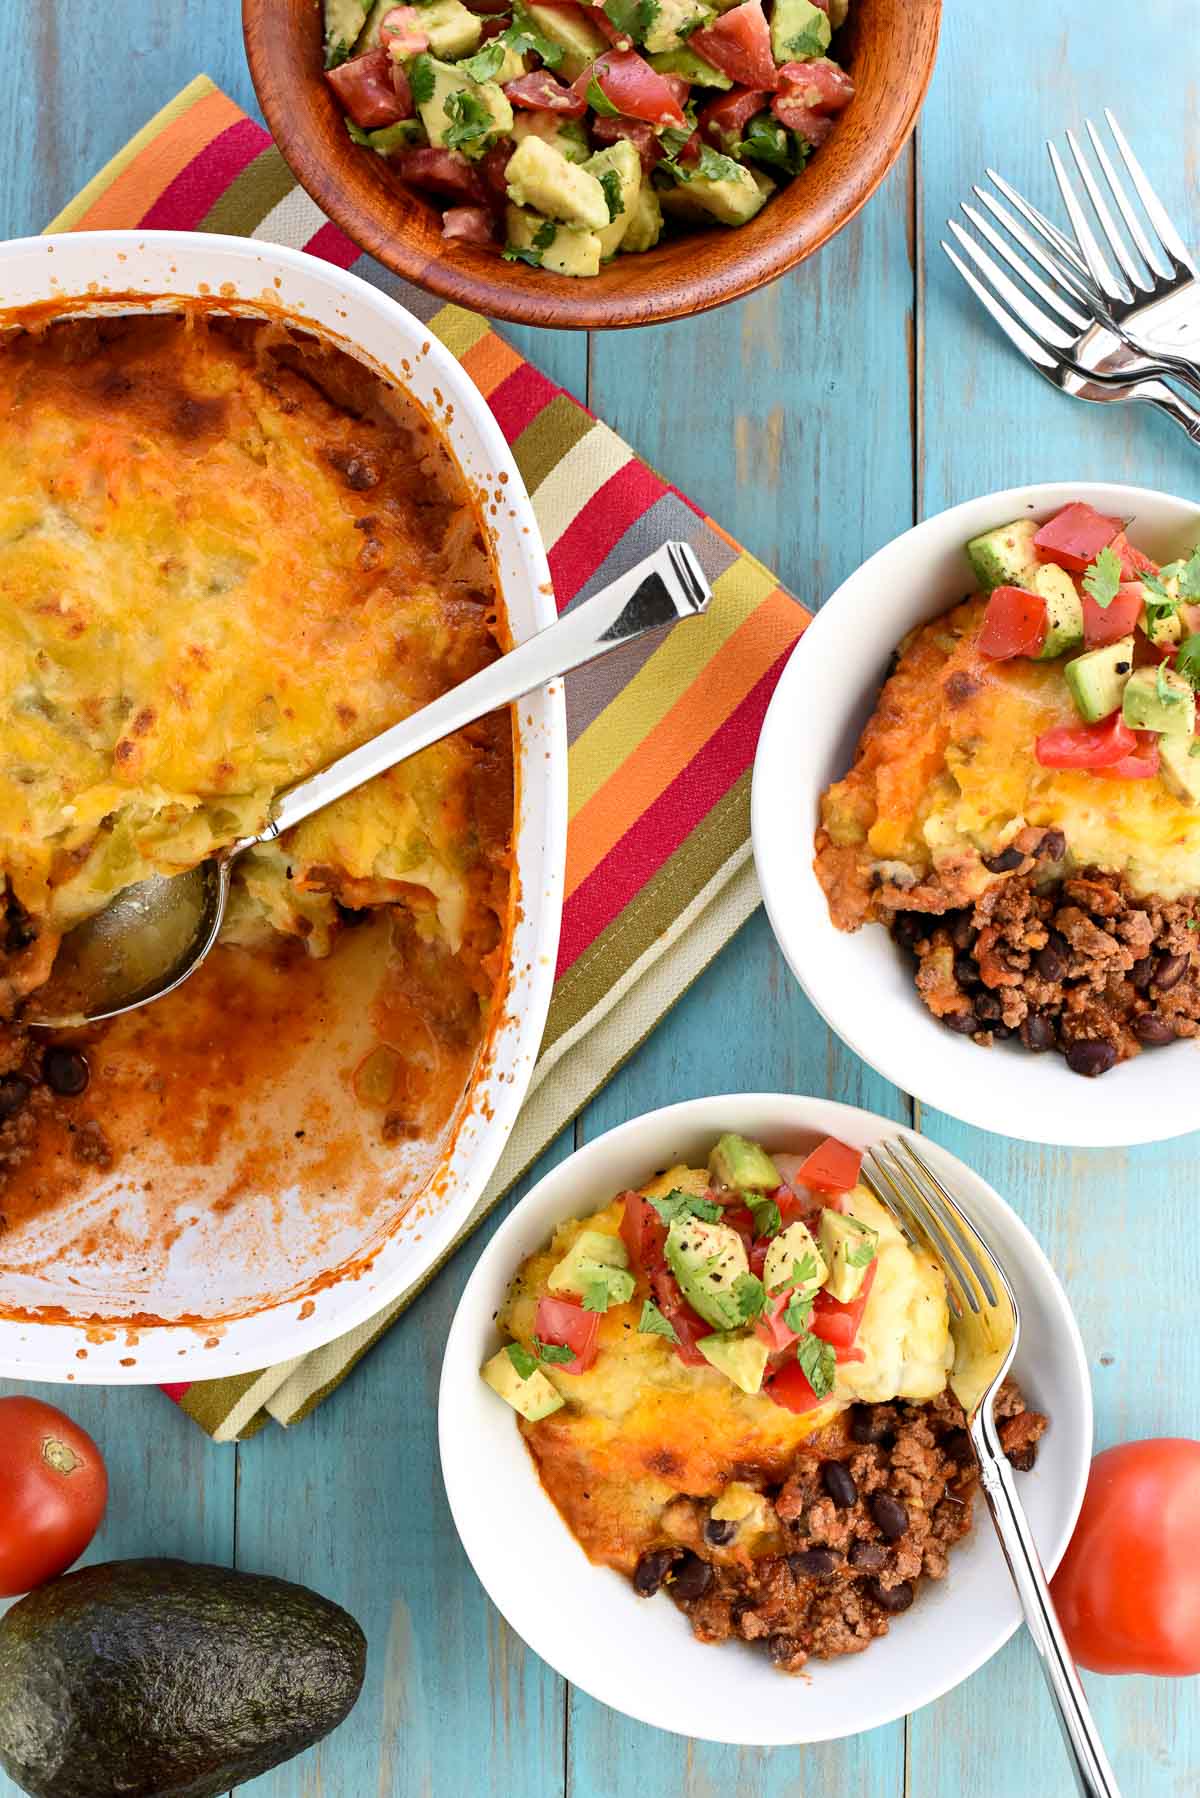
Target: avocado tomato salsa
[565,133]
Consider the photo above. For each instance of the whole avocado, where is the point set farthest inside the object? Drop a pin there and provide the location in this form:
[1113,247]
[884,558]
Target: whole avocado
[160,1679]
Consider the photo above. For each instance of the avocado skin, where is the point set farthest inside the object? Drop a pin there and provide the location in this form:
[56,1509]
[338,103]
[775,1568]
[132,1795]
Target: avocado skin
[161,1679]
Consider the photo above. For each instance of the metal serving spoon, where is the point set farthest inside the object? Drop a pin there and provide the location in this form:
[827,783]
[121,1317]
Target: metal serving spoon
[152,935]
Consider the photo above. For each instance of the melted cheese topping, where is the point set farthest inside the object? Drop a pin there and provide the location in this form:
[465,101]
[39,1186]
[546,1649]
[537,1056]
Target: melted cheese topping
[228,555]
[640,1428]
[946,771]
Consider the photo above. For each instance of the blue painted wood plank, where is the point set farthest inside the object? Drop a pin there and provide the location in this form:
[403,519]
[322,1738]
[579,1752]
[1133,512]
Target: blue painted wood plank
[988,422]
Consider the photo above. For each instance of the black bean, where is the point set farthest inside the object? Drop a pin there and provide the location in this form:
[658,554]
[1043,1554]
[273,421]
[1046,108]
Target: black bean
[963,1023]
[652,1570]
[1053,846]
[966,970]
[868,1426]
[868,1557]
[1023,1459]
[1091,1059]
[1169,971]
[891,1518]
[14,1094]
[815,1563]
[65,1071]
[962,931]
[892,1599]
[1152,1030]
[837,1481]
[719,1530]
[1142,973]
[782,1648]
[988,1008]
[956,1445]
[908,928]
[1052,961]
[1004,860]
[1037,1033]
[692,1577]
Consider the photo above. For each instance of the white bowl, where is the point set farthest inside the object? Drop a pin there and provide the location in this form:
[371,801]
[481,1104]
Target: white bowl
[640,1656]
[263,1284]
[860,983]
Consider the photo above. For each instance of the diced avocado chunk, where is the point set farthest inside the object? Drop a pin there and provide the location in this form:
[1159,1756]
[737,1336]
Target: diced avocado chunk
[708,1260]
[540,177]
[732,200]
[741,1358]
[673,20]
[1163,627]
[566,252]
[693,68]
[646,222]
[618,169]
[389,138]
[443,110]
[736,1161]
[451,28]
[1097,678]
[794,1248]
[800,31]
[567,136]
[369,36]
[594,1259]
[1179,765]
[1064,611]
[1005,557]
[343,24]
[533,1395]
[849,1248]
[1160,700]
[581,42]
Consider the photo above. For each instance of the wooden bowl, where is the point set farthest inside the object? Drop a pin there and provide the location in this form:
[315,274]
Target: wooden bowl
[889,47]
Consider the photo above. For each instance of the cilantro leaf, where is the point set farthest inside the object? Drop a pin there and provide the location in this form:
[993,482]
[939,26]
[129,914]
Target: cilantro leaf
[818,1362]
[766,141]
[811,42]
[522,1360]
[863,1253]
[765,1212]
[686,1204]
[356,133]
[1186,573]
[485,63]
[797,1313]
[470,120]
[523,35]
[421,78]
[632,18]
[599,101]
[554,1354]
[653,1323]
[337,52]
[750,1297]
[1154,584]
[1187,661]
[596,1296]
[1102,578]
[709,163]
[610,181]
[532,253]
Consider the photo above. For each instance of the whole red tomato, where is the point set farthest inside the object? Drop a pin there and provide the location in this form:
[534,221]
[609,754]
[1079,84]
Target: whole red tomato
[1128,1590]
[53,1489]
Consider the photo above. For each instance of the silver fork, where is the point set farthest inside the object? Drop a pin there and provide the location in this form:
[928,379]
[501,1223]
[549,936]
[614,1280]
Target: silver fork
[985,1323]
[1060,357]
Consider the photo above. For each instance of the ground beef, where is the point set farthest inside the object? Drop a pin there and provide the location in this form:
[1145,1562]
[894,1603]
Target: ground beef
[1077,963]
[855,1548]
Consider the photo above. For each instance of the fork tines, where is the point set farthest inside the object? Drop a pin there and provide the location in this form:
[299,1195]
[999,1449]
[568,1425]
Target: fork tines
[904,1182]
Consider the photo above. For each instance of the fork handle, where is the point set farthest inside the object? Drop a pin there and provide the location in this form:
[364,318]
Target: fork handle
[1177,408]
[1093,1775]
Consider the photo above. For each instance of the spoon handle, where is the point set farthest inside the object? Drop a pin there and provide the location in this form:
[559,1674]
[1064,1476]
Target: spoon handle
[667,586]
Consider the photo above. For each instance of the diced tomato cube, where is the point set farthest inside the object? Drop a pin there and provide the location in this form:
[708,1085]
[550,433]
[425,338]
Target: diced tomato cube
[687,1324]
[469,224]
[821,85]
[723,122]
[836,1322]
[1142,764]
[566,1323]
[629,83]
[544,92]
[1100,745]
[790,1388]
[643,1233]
[365,90]
[771,1327]
[739,44]
[443,172]
[1014,624]
[1075,536]
[1133,562]
[833,1166]
[640,134]
[401,32]
[1108,624]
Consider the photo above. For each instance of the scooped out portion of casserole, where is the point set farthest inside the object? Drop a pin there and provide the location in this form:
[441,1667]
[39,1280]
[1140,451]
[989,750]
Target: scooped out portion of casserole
[1024,807]
[228,554]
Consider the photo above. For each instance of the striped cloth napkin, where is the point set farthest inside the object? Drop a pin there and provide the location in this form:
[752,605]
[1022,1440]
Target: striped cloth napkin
[662,737]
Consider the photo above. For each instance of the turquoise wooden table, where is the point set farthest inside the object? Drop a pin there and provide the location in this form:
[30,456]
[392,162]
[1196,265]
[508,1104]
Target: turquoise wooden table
[815,421]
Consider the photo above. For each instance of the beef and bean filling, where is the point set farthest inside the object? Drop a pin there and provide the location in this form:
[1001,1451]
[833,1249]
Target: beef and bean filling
[1077,963]
[862,1528]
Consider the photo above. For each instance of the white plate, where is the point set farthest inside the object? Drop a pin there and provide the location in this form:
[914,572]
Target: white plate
[860,982]
[244,1278]
[639,1655]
